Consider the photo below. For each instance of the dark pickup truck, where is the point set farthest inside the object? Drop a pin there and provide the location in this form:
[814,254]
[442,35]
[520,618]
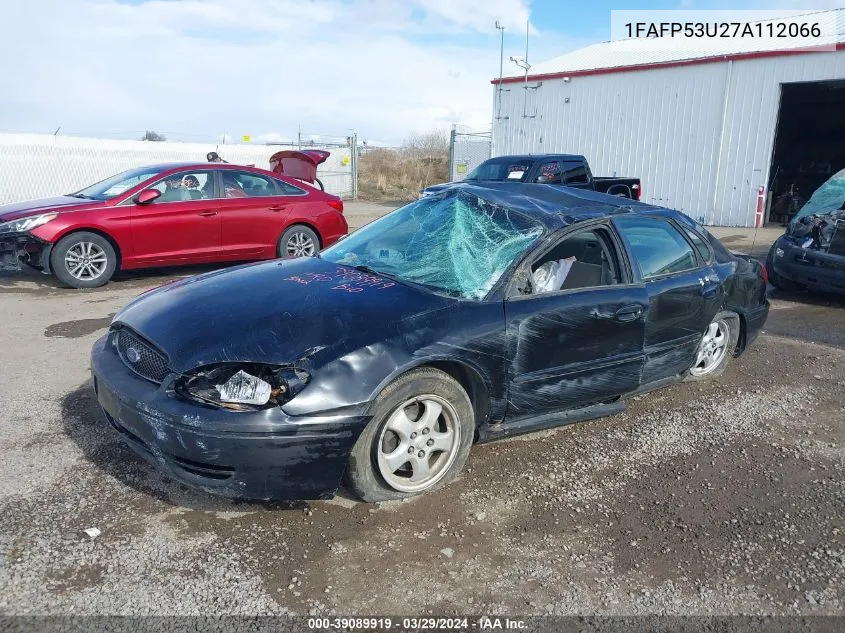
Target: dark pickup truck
[570,170]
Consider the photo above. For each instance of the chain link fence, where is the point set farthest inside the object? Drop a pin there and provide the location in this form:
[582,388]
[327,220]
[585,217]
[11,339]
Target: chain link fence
[41,166]
[467,150]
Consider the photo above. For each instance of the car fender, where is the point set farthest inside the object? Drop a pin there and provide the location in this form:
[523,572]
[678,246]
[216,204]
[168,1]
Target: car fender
[357,377]
[55,234]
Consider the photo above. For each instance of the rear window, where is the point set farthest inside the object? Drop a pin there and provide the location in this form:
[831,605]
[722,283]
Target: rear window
[288,189]
[657,246]
[498,169]
[574,173]
[700,245]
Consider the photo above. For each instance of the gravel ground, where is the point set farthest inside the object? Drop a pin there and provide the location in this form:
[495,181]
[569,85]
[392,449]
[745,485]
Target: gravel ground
[723,497]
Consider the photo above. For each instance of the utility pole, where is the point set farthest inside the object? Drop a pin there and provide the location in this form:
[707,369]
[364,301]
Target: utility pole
[501,70]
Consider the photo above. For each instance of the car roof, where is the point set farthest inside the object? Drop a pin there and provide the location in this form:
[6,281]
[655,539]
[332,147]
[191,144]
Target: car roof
[538,157]
[199,165]
[556,206]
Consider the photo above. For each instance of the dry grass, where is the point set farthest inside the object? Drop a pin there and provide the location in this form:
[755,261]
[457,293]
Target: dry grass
[399,174]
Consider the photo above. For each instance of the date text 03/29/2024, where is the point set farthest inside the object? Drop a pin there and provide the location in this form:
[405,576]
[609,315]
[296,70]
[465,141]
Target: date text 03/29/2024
[415,624]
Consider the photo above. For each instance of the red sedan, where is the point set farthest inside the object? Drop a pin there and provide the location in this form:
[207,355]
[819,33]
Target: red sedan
[165,215]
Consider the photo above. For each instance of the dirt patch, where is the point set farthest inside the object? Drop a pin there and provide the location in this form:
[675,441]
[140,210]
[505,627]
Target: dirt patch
[78,328]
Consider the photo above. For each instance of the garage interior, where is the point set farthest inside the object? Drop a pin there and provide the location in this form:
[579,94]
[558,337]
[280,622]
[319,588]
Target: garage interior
[809,144]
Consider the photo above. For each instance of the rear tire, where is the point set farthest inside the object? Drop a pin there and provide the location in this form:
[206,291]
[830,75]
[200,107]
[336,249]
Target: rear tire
[298,241]
[83,260]
[716,348]
[425,415]
[776,280]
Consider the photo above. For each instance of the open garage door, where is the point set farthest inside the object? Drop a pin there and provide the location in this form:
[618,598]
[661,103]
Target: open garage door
[809,144]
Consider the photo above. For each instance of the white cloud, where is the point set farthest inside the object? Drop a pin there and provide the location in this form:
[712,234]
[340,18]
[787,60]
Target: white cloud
[261,67]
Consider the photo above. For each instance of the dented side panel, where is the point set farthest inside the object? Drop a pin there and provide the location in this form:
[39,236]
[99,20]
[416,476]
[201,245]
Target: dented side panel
[678,315]
[575,348]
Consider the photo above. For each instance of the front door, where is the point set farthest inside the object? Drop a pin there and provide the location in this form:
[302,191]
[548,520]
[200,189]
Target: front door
[180,226]
[578,341]
[684,293]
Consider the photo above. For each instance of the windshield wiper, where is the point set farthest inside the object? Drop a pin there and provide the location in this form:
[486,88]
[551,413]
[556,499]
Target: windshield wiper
[372,271]
[80,195]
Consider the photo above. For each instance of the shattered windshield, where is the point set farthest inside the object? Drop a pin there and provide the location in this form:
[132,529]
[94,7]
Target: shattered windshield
[497,169]
[459,244]
[827,199]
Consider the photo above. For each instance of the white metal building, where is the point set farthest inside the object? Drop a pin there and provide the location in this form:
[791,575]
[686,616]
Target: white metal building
[704,132]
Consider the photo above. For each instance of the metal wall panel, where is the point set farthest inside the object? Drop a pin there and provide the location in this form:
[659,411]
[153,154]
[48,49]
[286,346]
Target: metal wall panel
[700,136]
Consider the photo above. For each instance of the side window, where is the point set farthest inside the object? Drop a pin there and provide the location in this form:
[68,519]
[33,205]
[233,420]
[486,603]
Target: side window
[574,173]
[658,247]
[700,245]
[586,259]
[245,184]
[287,189]
[550,171]
[185,186]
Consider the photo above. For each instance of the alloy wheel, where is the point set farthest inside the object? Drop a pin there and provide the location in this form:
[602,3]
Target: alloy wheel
[300,245]
[419,443]
[86,261]
[712,349]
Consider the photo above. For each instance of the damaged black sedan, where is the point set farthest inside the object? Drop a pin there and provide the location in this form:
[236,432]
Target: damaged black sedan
[478,313]
[811,254]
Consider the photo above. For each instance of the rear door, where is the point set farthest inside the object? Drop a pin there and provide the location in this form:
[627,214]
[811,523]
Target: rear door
[684,292]
[181,226]
[253,210]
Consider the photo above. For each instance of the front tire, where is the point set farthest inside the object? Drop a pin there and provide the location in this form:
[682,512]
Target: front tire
[716,348]
[298,241]
[83,260]
[417,441]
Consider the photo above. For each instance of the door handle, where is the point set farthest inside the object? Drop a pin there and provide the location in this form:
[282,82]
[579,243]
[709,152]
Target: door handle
[628,313]
[710,291]
[623,314]
[278,207]
[207,214]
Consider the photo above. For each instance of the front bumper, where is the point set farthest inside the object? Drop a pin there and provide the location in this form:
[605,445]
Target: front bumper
[22,248]
[814,269]
[253,455]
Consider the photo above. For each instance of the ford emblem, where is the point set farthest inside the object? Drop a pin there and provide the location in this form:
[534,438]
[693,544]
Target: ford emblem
[133,355]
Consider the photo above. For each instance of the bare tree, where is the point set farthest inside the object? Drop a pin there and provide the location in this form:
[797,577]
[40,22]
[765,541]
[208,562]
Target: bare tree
[427,146]
[429,151]
[152,135]
[399,173]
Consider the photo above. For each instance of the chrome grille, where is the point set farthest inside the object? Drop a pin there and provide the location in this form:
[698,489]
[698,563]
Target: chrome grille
[141,357]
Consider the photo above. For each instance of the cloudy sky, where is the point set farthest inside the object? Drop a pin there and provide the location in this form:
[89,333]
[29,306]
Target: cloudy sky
[195,69]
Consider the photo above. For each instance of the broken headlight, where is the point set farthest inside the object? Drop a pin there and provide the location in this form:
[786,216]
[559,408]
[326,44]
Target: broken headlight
[242,386]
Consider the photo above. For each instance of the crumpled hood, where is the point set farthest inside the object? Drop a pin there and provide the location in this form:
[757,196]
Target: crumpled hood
[17,210]
[271,312]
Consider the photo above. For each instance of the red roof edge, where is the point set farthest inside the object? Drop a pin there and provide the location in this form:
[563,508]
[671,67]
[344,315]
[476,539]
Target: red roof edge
[684,62]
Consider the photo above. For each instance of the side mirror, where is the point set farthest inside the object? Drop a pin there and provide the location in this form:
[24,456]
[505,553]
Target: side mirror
[542,179]
[146,196]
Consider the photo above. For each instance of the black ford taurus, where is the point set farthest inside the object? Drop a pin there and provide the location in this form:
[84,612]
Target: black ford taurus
[477,313]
